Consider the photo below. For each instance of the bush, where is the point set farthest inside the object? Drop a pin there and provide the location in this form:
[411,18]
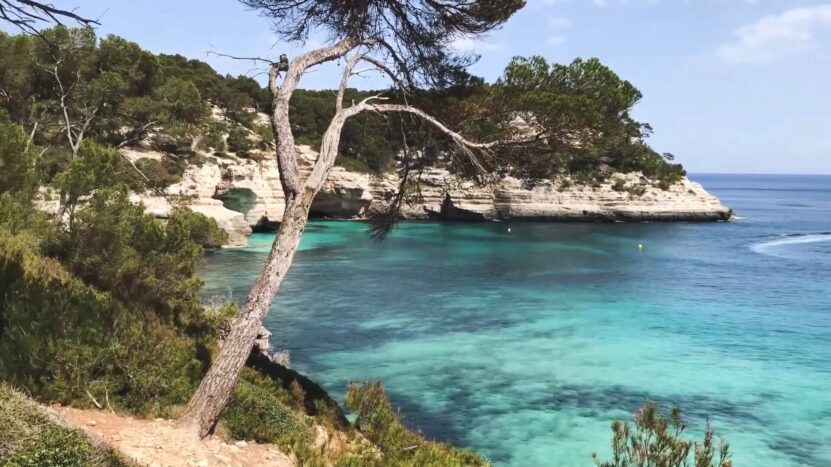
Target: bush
[378,421]
[17,164]
[161,174]
[262,410]
[120,318]
[354,165]
[63,340]
[239,143]
[30,439]
[186,226]
[656,441]
[172,143]
[214,139]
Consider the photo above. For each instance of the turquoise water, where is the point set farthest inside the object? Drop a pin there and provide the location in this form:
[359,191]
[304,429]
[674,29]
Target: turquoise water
[526,345]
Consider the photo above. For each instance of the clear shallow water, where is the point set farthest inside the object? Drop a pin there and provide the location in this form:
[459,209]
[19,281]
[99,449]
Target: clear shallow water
[525,346]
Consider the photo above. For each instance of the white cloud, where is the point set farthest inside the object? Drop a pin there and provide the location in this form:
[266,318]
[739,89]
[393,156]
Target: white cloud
[777,36]
[468,44]
[559,23]
[556,40]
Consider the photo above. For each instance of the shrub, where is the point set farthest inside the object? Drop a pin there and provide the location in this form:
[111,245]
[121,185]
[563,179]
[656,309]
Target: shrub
[17,164]
[262,410]
[120,318]
[186,226]
[64,340]
[378,421]
[239,143]
[30,439]
[656,441]
[116,247]
[353,164]
[161,174]
[172,143]
[214,138]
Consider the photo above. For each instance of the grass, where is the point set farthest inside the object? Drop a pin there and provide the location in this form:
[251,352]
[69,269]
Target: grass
[32,439]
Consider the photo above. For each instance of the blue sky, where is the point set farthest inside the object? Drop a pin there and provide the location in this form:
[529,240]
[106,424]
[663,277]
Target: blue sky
[729,85]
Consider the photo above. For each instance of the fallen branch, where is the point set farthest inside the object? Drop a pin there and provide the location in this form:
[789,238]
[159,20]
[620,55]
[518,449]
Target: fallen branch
[97,404]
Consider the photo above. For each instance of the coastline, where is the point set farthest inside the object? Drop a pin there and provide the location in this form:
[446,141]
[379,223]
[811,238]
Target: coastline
[245,196]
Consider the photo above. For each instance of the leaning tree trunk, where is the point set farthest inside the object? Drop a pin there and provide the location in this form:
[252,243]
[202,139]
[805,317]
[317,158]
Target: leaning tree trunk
[217,387]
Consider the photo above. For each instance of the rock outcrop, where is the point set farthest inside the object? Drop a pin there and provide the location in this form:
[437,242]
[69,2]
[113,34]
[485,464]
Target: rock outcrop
[245,196]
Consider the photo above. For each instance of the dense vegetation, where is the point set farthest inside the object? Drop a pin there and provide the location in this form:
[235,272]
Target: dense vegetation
[577,116]
[103,310]
[31,439]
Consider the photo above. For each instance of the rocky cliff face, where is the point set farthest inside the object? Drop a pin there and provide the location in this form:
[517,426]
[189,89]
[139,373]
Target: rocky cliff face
[244,195]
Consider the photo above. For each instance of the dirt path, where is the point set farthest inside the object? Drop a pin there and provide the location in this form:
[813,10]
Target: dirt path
[159,443]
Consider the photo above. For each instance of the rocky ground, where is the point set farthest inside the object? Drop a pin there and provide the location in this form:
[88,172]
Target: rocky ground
[160,443]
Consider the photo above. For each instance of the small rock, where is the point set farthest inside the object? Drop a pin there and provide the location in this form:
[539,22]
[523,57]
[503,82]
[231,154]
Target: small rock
[240,444]
[202,463]
[92,423]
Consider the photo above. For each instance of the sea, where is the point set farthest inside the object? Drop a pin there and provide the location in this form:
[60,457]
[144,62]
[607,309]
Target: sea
[524,340]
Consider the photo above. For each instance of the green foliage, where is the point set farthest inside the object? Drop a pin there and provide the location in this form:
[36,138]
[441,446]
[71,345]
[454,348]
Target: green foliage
[30,439]
[181,102]
[214,138]
[239,142]
[369,138]
[17,75]
[117,247]
[18,216]
[120,315]
[161,174]
[61,338]
[176,140]
[582,111]
[656,441]
[261,410]
[139,68]
[206,80]
[378,421]
[185,226]
[354,165]
[17,162]
[95,167]
[19,179]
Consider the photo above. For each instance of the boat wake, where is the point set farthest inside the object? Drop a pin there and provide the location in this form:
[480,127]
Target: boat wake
[776,246]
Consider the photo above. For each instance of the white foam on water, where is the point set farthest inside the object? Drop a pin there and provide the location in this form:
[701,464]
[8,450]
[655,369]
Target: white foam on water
[774,247]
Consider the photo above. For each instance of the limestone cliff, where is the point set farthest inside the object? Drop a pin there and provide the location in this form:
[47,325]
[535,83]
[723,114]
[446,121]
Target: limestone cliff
[243,195]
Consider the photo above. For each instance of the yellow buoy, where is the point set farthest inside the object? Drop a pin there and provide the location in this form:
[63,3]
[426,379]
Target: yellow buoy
[509,230]
[640,246]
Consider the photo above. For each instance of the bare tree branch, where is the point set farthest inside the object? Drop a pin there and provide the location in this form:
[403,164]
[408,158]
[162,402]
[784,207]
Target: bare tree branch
[234,57]
[26,14]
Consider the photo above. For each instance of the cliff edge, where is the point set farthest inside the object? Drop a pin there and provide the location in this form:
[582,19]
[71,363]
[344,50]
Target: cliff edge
[244,195]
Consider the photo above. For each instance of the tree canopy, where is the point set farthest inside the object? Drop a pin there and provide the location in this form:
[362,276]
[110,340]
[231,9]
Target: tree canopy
[413,34]
[581,110]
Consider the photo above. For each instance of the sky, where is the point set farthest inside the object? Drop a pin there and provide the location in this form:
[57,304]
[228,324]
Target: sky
[730,86]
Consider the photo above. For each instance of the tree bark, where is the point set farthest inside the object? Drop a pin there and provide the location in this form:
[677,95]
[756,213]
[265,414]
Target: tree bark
[217,387]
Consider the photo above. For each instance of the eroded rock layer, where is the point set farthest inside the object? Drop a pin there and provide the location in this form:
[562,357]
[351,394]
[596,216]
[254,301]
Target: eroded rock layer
[245,195]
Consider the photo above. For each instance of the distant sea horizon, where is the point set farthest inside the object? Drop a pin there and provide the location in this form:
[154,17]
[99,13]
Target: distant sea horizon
[693,174]
[525,345]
